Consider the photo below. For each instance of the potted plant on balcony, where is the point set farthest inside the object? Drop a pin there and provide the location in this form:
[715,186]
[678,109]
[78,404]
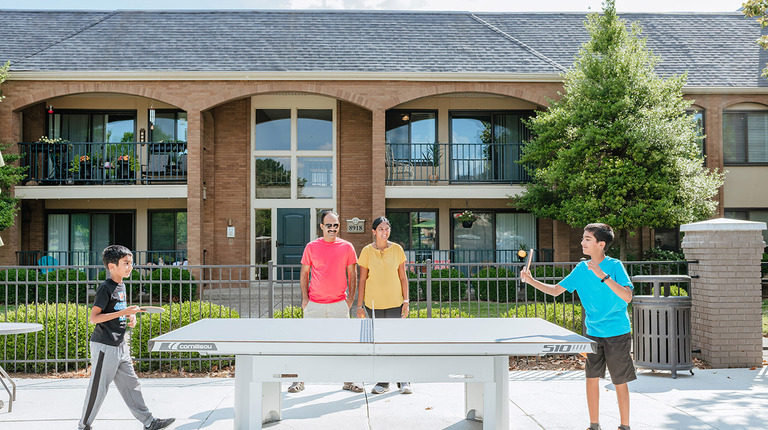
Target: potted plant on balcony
[432,159]
[467,218]
[126,165]
[81,167]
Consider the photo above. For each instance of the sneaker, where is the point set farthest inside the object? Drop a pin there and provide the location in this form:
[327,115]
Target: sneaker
[353,386]
[296,387]
[158,423]
[380,388]
[405,388]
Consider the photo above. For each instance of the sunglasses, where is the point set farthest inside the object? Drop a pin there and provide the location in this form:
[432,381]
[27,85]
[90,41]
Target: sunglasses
[331,225]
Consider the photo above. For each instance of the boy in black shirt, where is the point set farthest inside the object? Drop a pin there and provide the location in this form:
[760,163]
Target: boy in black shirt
[110,356]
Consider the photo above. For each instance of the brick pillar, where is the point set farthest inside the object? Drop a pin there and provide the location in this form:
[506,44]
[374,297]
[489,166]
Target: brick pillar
[725,297]
[194,187]
[378,169]
[10,133]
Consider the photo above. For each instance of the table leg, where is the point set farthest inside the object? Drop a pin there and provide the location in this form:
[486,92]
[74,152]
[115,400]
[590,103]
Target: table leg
[11,395]
[489,402]
[247,395]
[473,401]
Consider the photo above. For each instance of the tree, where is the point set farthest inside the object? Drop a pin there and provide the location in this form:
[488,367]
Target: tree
[618,147]
[10,175]
[758,9]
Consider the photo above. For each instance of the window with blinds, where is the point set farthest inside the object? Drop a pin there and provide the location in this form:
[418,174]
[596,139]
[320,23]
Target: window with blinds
[745,137]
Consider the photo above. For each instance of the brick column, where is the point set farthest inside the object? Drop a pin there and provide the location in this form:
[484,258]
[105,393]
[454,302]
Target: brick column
[725,297]
[379,168]
[194,188]
[10,133]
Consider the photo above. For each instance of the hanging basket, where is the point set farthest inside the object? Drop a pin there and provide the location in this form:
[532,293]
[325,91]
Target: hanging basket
[467,224]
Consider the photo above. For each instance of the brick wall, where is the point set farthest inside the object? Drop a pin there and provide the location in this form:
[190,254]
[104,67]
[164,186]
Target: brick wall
[226,176]
[33,126]
[725,295]
[354,161]
[32,222]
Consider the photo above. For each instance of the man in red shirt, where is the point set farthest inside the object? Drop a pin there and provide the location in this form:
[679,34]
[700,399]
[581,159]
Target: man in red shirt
[332,264]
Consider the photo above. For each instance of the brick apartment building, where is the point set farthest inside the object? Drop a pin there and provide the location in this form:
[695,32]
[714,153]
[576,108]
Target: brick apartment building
[218,136]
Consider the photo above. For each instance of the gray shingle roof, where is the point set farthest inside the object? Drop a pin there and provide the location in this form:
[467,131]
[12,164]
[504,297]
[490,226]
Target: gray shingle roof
[716,49]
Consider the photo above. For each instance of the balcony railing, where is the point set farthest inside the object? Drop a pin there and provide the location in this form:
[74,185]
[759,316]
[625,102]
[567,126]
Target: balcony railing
[455,163]
[84,258]
[85,163]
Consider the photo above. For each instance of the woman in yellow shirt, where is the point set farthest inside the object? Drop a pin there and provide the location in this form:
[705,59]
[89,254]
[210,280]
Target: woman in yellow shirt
[383,284]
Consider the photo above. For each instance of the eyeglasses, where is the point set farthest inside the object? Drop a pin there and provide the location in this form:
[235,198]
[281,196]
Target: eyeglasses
[331,225]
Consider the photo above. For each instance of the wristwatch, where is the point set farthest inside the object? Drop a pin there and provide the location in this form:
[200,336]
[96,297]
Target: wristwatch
[406,301]
[605,278]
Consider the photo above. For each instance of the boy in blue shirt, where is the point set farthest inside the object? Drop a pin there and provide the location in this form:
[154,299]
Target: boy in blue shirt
[604,290]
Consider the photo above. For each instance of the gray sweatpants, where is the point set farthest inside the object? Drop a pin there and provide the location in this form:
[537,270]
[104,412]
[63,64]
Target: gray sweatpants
[113,363]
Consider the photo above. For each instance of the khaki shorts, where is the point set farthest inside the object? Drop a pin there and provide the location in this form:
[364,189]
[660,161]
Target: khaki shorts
[613,352]
[327,310]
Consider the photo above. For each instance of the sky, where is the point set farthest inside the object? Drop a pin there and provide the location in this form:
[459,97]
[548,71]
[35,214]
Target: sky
[453,5]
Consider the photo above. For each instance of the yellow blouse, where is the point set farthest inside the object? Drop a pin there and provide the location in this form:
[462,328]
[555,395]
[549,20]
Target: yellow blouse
[383,286]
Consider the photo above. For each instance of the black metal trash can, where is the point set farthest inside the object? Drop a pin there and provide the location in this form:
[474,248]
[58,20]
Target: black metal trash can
[661,326]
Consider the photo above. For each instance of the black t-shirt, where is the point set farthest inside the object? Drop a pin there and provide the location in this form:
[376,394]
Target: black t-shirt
[110,297]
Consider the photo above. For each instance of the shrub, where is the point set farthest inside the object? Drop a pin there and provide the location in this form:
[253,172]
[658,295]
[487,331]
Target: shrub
[289,312]
[658,254]
[447,286]
[65,335]
[496,290]
[32,286]
[176,315]
[133,285]
[445,312]
[565,315]
[172,284]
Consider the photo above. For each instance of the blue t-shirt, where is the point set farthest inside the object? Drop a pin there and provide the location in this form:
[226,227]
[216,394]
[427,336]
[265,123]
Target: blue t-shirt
[606,312]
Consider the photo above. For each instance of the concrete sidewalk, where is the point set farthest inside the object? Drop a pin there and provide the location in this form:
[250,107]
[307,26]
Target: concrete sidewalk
[711,399]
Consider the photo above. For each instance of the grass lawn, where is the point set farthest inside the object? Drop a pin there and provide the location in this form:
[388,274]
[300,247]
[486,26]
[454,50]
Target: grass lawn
[765,317]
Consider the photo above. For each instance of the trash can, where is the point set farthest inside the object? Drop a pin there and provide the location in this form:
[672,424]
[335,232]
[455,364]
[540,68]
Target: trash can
[661,326]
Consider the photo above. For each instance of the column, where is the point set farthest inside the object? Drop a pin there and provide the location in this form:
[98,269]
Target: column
[725,291]
[194,187]
[378,167]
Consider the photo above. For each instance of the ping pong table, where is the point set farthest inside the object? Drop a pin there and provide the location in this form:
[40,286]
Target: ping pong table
[474,351]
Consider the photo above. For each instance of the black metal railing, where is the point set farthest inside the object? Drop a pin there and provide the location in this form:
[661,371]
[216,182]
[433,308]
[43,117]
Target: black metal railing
[92,163]
[455,163]
[80,258]
[60,298]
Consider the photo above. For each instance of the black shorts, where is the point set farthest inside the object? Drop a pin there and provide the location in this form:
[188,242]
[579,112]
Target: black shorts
[615,353]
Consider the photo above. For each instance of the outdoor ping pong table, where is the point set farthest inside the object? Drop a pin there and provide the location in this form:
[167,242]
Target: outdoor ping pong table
[474,351]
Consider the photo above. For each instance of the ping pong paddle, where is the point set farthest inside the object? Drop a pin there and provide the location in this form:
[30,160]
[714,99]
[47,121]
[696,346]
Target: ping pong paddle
[152,309]
[530,258]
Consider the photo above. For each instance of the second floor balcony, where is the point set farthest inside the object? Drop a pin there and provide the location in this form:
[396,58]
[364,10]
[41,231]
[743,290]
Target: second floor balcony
[455,164]
[103,163]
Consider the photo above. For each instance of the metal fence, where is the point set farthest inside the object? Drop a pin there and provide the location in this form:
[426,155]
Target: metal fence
[60,298]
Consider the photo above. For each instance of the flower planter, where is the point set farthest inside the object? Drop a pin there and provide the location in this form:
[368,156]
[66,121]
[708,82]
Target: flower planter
[124,170]
[86,171]
[467,224]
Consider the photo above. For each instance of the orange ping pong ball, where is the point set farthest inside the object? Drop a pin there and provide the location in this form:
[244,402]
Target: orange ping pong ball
[521,253]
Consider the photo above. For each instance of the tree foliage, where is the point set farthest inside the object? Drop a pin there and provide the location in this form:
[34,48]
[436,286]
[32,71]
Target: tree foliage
[758,9]
[618,147]
[10,175]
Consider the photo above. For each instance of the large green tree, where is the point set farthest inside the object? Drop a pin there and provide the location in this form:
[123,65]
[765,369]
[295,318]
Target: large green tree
[10,175]
[618,147]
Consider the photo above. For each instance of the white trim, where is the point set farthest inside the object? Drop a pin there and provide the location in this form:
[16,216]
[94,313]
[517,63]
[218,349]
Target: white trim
[61,192]
[279,76]
[452,191]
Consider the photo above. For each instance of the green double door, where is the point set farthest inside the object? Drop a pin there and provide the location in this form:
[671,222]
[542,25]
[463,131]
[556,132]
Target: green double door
[293,227]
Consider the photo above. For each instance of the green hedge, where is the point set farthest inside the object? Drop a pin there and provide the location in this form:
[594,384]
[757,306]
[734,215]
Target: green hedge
[440,313]
[31,286]
[176,315]
[563,314]
[289,312]
[443,288]
[65,335]
[505,290]
[172,284]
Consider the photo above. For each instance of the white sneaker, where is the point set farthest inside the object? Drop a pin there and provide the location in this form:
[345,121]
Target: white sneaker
[405,388]
[380,389]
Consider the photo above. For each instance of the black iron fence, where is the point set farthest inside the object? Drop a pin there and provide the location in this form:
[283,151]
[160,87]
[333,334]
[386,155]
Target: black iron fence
[173,257]
[455,163]
[60,298]
[99,163]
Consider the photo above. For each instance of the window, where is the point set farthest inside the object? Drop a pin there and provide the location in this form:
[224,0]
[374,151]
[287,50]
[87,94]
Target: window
[168,231]
[168,126]
[745,137]
[84,126]
[494,236]
[485,146]
[414,230]
[80,237]
[293,149]
[750,215]
[698,118]
[409,132]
